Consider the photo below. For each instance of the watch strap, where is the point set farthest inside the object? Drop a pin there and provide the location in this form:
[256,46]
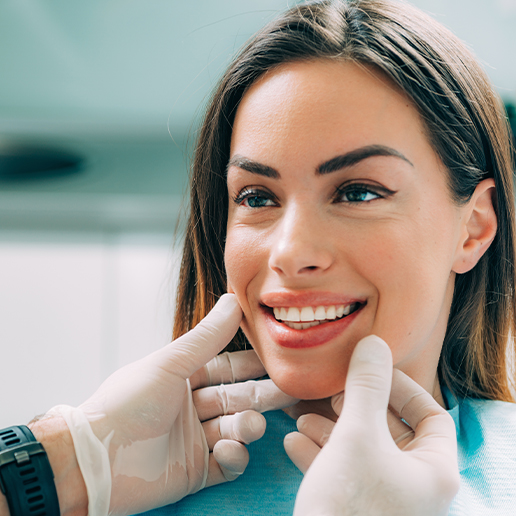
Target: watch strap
[26,477]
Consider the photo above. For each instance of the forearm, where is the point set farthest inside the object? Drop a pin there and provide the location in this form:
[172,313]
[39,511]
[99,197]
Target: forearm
[55,437]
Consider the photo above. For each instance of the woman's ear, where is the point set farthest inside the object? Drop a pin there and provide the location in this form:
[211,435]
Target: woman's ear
[478,227]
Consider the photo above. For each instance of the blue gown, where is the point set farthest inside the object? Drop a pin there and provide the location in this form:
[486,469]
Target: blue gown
[486,438]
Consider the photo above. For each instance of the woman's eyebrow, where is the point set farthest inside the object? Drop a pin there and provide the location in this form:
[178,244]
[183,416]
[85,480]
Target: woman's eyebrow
[353,157]
[338,163]
[252,166]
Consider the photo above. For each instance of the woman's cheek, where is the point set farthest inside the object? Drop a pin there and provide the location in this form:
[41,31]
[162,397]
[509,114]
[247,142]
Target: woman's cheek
[234,258]
[240,263]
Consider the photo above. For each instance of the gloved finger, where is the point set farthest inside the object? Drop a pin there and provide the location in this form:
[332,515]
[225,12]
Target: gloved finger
[424,415]
[410,401]
[321,407]
[301,450]
[229,368]
[401,433]
[194,349]
[245,427]
[260,396]
[368,382]
[315,427]
[227,462]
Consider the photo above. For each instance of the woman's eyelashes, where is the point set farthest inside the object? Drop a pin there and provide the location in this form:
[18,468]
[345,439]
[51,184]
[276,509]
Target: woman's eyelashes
[349,193]
[254,198]
[360,193]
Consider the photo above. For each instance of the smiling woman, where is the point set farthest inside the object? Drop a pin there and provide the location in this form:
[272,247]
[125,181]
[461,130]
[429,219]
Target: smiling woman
[352,191]
[357,216]
[353,177]
[367,128]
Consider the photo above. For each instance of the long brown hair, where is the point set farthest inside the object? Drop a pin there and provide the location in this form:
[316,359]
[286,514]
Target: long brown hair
[466,126]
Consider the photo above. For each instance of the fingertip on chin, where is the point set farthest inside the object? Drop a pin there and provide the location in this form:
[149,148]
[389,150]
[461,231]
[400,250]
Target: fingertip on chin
[373,349]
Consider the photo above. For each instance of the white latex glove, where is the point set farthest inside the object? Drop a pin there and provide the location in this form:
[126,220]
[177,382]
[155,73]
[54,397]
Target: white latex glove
[140,440]
[361,469]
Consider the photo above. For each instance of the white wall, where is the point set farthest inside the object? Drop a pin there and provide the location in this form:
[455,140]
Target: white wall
[73,308]
[488,27]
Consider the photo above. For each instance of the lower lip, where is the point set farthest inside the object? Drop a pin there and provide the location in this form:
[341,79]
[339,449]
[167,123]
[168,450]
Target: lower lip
[309,338]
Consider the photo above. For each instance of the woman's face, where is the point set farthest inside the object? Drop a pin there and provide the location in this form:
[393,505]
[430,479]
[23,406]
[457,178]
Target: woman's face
[340,225]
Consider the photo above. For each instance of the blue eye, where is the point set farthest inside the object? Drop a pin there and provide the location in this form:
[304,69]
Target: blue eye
[357,194]
[254,199]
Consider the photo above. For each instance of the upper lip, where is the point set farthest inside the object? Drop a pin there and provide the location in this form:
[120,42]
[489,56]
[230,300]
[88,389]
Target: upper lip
[306,298]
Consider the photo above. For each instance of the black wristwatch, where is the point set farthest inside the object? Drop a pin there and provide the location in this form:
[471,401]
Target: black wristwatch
[26,477]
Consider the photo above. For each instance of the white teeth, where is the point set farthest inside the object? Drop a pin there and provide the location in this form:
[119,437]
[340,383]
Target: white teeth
[320,313]
[293,314]
[308,316]
[307,313]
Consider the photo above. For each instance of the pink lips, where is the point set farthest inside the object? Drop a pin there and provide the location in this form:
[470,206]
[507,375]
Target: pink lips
[311,337]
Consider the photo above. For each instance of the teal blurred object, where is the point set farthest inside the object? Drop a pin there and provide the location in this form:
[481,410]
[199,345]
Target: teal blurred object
[28,162]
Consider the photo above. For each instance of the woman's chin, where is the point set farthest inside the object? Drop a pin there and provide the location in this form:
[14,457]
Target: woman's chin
[308,387]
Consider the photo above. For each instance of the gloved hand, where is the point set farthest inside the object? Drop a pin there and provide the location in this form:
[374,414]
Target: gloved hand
[141,441]
[360,468]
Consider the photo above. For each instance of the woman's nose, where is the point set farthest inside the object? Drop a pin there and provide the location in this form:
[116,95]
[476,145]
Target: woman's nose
[301,245]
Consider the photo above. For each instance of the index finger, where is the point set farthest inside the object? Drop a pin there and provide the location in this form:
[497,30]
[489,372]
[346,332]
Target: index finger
[229,368]
[261,396]
[194,349]
[368,382]
[420,410]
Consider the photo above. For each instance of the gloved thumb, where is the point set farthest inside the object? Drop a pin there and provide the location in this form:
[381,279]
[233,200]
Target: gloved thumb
[368,382]
[194,349]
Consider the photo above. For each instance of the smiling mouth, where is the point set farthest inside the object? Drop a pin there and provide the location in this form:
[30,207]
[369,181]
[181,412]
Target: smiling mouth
[302,318]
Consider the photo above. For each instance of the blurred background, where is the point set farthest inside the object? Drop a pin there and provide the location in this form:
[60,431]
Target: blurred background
[99,105]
